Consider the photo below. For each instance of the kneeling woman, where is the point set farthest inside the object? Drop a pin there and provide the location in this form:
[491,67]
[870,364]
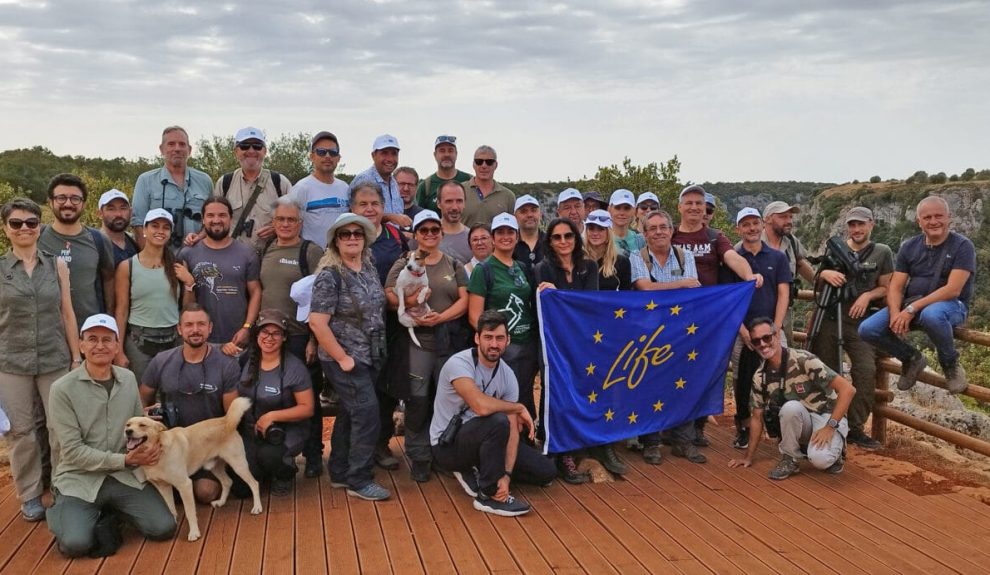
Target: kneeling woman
[278,384]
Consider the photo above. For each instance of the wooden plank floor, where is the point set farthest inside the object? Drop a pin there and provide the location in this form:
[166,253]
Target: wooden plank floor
[674,518]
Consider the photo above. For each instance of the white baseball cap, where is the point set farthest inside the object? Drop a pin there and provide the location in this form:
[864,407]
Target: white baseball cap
[526,200]
[599,218]
[569,194]
[646,197]
[385,141]
[158,214]
[250,133]
[111,195]
[747,212]
[301,292]
[505,220]
[425,216]
[100,320]
[621,197]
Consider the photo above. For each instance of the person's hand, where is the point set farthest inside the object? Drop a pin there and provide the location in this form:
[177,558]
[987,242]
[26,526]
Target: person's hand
[346,364]
[833,278]
[401,220]
[823,437]
[545,285]
[859,307]
[900,323]
[412,299]
[758,278]
[145,454]
[121,359]
[190,240]
[689,283]
[526,425]
[241,337]
[183,274]
[311,354]
[744,462]
[503,489]
[746,340]
[429,319]
[263,423]
[265,232]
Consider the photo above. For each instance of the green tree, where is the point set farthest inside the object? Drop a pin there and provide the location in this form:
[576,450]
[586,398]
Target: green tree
[875,180]
[939,178]
[660,179]
[968,175]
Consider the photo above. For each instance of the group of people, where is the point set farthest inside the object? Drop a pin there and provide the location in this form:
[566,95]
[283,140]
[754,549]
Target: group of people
[252,286]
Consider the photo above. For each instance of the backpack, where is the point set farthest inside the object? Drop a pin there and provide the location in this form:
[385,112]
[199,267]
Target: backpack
[678,255]
[393,230]
[303,248]
[229,177]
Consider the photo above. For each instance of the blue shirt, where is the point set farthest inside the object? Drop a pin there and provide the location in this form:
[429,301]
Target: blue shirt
[390,189]
[921,262]
[669,272]
[156,189]
[774,267]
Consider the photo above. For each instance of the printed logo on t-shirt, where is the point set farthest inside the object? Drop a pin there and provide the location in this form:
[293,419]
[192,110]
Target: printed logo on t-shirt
[514,311]
[273,390]
[289,261]
[698,249]
[66,254]
[208,274]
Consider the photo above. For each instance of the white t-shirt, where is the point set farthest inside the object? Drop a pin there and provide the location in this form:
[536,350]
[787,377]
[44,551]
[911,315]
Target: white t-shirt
[448,402]
[320,204]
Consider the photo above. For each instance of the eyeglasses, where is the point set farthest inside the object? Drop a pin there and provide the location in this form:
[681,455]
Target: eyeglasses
[270,334]
[332,152]
[430,231]
[446,140]
[348,234]
[31,223]
[564,237]
[651,229]
[74,200]
[485,161]
[285,220]
[765,340]
[255,147]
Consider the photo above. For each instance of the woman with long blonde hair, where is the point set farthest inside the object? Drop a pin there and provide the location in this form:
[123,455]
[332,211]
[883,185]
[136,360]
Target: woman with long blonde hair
[614,269]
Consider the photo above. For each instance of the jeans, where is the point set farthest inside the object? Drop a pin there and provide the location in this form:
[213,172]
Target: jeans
[936,320]
[355,431]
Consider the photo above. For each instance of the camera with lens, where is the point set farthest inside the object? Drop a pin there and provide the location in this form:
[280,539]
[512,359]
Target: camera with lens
[178,227]
[771,414]
[840,258]
[275,434]
[379,348]
[168,412]
[248,228]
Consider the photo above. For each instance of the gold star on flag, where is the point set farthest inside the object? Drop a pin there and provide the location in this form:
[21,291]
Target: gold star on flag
[632,418]
[620,313]
[651,306]
[609,415]
[590,369]
[676,310]
[693,355]
[598,336]
[691,329]
[680,383]
[592,397]
[658,405]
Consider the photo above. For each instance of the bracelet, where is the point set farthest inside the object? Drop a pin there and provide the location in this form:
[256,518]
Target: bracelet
[75,361]
[247,325]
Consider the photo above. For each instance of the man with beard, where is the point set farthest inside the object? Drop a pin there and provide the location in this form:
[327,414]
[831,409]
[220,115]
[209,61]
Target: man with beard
[115,211]
[226,278]
[385,158]
[529,248]
[321,196]
[174,187]
[778,218]
[85,250]
[407,178]
[455,234]
[193,383]
[445,153]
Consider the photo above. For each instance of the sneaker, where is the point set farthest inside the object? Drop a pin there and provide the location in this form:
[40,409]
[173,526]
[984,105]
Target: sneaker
[469,481]
[385,459]
[742,438]
[370,492]
[858,437]
[785,468]
[837,467]
[688,451]
[420,471]
[281,487]
[652,455]
[32,510]
[605,454]
[314,467]
[567,468]
[511,507]
[955,379]
[910,371]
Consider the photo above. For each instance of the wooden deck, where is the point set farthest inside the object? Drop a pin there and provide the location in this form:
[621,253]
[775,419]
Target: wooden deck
[674,518]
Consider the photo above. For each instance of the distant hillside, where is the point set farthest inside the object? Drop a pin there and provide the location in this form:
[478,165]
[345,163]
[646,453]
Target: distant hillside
[739,195]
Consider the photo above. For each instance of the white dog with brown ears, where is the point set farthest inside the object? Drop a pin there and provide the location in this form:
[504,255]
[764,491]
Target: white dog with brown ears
[208,445]
[412,278]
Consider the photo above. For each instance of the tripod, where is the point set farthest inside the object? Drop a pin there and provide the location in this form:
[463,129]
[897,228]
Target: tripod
[827,297]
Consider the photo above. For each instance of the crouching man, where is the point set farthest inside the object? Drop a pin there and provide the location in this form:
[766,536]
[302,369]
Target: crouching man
[94,481]
[800,385]
[478,390]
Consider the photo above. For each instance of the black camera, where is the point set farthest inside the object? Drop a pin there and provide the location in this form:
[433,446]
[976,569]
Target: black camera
[275,434]
[449,433]
[840,258]
[248,228]
[195,216]
[168,413]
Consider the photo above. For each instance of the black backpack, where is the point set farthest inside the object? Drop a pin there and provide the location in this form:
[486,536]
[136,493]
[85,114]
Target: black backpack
[229,177]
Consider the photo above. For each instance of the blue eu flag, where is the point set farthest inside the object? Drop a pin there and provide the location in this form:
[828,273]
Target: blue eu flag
[620,364]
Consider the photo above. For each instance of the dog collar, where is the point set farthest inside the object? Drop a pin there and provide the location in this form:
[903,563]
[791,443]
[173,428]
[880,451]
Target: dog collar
[417,274]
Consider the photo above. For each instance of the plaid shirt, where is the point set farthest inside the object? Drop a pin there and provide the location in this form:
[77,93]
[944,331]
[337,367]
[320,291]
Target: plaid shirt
[670,272]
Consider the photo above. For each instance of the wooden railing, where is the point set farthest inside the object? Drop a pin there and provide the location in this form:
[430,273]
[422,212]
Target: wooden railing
[882,411]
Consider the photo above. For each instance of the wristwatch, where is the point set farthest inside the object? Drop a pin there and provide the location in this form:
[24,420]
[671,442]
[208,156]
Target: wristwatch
[834,424]
[910,308]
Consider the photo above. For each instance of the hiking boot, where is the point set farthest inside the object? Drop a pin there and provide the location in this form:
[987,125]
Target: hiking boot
[420,471]
[742,438]
[785,468]
[955,379]
[567,468]
[858,437]
[699,438]
[652,455]
[385,459]
[634,444]
[511,507]
[281,487]
[911,369]
[32,510]
[605,454]
[688,451]
[837,467]
[314,467]
[370,492]
[469,481]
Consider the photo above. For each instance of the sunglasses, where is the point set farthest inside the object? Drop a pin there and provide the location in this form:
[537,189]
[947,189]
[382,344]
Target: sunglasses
[446,140]
[348,234]
[485,161]
[74,200]
[332,152]
[600,219]
[765,340]
[255,147]
[565,237]
[430,231]
[31,223]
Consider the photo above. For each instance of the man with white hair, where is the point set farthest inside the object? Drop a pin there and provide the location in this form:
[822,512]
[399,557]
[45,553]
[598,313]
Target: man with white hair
[485,197]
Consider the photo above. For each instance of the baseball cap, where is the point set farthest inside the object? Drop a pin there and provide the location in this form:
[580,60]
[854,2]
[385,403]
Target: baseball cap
[779,207]
[324,135]
[596,196]
[505,220]
[452,140]
[100,320]
[693,189]
[569,194]
[859,214]
[526,200]
[301,292]
[745,213]
[385,141]
[622,196]
[271,317]
[709,199]
[425,216]
[646,197]
[598,218]
[250,133]
[158,214]
[110,196]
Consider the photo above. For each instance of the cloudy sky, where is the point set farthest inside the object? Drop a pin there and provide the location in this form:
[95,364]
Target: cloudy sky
[779,90]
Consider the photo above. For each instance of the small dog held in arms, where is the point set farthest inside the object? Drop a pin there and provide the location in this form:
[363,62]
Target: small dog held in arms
[207,444]
[411,278]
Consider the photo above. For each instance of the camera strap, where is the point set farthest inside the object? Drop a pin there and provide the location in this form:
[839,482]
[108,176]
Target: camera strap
[258,188]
